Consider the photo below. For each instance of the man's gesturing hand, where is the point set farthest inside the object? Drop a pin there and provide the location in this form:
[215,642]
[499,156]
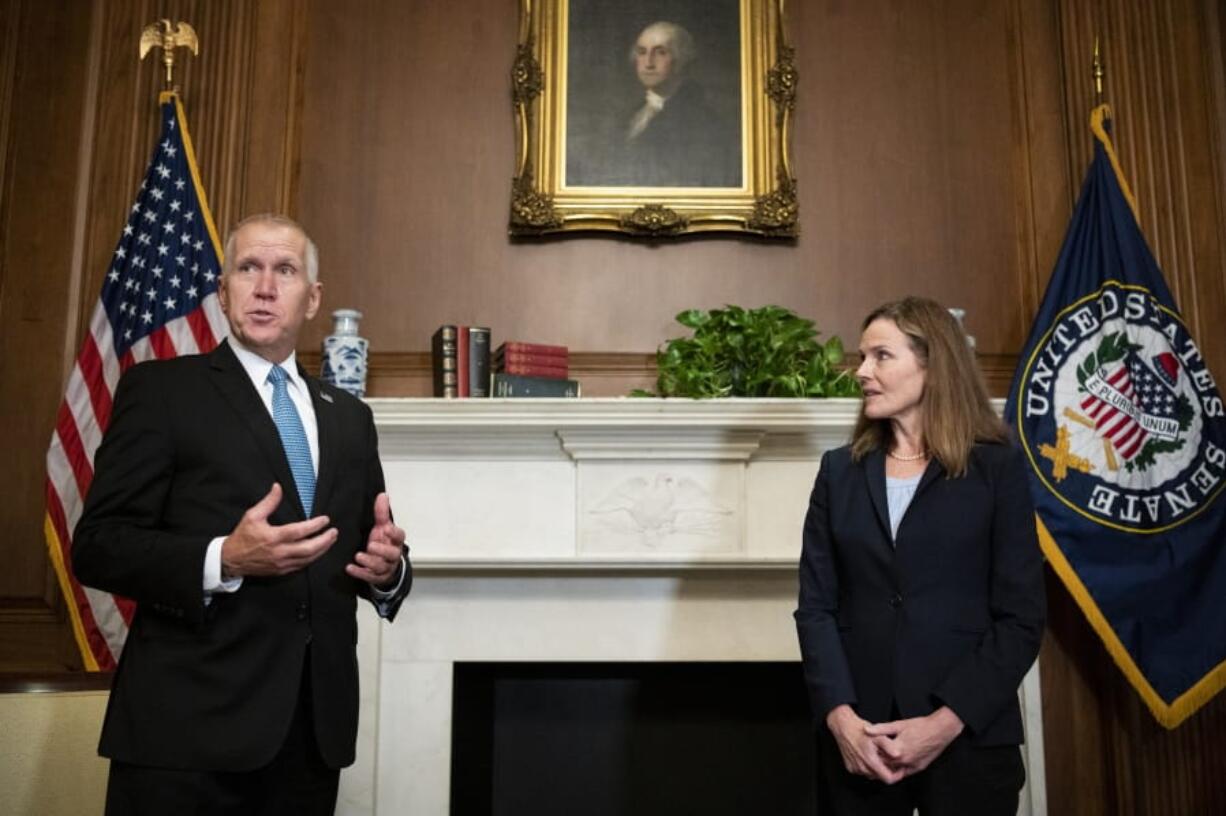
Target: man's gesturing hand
[377,564]
[258,548]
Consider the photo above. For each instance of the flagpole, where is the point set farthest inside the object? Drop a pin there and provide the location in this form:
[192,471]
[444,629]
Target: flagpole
[1097,72]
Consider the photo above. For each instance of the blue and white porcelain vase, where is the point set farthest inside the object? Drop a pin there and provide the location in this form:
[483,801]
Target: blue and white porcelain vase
[344,353]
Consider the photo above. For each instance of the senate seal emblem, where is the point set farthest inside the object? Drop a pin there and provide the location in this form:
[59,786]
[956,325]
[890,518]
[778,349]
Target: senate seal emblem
[1112,411]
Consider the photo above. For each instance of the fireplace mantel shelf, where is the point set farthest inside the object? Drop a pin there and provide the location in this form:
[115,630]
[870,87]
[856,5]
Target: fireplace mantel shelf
[605,484]
[781,414]
[617,428]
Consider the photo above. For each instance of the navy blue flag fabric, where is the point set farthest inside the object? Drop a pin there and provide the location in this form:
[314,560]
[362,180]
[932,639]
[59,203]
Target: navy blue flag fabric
[1126,435]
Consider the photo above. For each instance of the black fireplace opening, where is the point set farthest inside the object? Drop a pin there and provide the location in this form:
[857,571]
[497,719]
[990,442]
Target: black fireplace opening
[631,739]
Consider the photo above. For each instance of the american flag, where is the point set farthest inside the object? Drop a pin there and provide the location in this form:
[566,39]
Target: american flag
[1146,395]
[159,300]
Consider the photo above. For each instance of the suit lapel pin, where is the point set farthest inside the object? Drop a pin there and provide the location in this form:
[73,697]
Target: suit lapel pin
[325,396]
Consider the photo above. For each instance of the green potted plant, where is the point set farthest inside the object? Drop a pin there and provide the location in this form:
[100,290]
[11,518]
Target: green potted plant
[764,352]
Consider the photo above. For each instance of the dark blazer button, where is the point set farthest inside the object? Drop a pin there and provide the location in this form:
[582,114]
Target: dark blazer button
[896,601]
[302,611]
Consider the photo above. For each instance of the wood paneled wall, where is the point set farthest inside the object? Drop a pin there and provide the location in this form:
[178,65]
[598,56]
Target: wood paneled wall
[939,147]
[43,99]
[923,157]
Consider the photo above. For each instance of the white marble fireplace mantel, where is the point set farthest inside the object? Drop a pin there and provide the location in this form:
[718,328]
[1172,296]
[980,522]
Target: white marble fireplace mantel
[606,482]
[585,530]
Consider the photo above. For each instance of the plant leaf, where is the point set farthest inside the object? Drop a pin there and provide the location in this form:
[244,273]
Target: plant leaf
[692,318]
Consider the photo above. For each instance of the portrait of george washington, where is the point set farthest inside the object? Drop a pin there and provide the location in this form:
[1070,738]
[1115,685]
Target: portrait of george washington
[654,94]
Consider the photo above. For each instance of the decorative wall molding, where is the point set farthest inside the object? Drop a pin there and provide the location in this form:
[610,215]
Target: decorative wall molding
[33,611]
[718,444]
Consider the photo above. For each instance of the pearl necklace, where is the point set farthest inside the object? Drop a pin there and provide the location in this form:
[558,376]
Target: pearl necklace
[915,457]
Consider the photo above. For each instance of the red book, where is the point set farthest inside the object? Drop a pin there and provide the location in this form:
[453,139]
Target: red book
[461,359]
[523,358]
[527,370]
[532,348]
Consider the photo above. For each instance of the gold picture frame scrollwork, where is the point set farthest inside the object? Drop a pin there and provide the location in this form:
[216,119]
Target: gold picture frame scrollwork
[583,164]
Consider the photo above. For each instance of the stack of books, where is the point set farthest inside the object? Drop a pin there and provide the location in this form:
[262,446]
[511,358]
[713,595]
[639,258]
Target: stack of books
[532,370]
[461,359]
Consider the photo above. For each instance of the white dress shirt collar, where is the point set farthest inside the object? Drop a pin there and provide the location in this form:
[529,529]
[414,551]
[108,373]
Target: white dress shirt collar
[257,367]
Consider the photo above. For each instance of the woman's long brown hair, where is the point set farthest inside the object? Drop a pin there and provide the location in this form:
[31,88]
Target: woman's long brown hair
[956,409]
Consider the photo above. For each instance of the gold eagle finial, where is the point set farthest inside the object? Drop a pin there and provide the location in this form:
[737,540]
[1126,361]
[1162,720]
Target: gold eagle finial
[168,36]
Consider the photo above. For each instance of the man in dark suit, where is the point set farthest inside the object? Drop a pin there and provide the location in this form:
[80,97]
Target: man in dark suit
[241,503]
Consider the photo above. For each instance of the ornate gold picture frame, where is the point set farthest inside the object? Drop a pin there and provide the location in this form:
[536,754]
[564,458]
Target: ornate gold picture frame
[653,117]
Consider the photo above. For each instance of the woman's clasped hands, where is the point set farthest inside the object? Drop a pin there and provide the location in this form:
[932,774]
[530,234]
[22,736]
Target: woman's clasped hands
[891,751]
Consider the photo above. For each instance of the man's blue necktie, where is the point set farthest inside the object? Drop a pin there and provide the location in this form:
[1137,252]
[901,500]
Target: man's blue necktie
[293,438]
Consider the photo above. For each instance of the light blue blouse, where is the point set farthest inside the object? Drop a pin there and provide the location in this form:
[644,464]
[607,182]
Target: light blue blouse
[898,493]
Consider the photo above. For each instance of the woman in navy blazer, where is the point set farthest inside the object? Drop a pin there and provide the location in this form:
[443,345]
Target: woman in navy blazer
[921,588]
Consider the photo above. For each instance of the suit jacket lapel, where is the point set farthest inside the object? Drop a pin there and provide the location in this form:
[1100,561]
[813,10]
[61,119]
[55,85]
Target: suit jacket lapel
[232,380]
[931,473]
[874,473]
[329,439]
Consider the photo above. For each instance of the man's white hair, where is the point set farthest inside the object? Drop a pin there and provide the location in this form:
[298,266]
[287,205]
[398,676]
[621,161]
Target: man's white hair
[679,40]
[311,258]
